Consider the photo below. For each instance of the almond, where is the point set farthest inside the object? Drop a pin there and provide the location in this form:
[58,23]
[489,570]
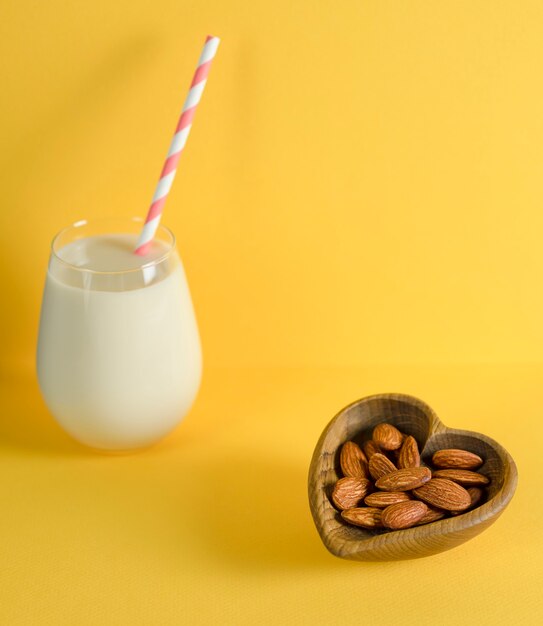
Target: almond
[456,459]
[366,517]
[462,477]
[370,448]
[349,491]
[409,453]
[443,494]
[404,479]
[387,437]
[380,465]
[403,514]
[476,494]
[382,499]
[353,461]
[432,515]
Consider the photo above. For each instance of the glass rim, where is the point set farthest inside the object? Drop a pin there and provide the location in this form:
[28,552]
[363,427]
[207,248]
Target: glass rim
[104,220]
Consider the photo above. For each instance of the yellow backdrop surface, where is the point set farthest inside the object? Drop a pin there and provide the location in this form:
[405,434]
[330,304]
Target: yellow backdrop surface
[359,210]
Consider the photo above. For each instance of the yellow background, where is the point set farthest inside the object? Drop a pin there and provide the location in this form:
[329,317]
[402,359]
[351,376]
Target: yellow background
[358,210]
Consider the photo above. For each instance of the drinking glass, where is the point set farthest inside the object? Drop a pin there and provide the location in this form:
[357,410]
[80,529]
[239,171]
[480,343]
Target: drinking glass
[119,360]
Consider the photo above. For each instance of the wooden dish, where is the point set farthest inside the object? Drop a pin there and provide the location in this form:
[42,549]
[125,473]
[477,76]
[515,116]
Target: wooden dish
[412,416]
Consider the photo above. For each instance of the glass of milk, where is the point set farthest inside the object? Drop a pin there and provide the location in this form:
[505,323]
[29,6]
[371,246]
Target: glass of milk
[119,359]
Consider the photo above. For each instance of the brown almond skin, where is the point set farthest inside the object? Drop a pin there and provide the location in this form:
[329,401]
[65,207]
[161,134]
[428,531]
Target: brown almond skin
[404,479]
[443,494]
[370,448]
[366,517]
[349,491]
[380,465]
[353,461]
[433,515]
[387,437]
[403,514]
[382,499]
[409,453]
[476,494]
[462,477]
[453,458]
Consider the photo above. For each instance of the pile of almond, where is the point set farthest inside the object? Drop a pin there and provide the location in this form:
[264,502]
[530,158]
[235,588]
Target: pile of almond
[385,485]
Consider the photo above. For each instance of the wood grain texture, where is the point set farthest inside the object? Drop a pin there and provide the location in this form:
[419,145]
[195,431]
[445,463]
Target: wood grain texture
[413,417]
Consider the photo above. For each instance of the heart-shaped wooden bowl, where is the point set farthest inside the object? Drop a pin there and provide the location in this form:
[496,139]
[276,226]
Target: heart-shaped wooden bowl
[412,416]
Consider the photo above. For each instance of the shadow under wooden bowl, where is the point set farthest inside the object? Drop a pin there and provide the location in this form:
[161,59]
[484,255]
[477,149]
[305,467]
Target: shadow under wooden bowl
[412,416]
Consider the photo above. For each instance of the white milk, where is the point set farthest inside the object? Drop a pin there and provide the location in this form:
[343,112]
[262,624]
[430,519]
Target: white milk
[119,360]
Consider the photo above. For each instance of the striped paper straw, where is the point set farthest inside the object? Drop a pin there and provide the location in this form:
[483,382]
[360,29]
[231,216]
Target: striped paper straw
[178,143]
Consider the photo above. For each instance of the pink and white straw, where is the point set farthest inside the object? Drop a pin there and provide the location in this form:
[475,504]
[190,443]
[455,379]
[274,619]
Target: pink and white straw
[178,143]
